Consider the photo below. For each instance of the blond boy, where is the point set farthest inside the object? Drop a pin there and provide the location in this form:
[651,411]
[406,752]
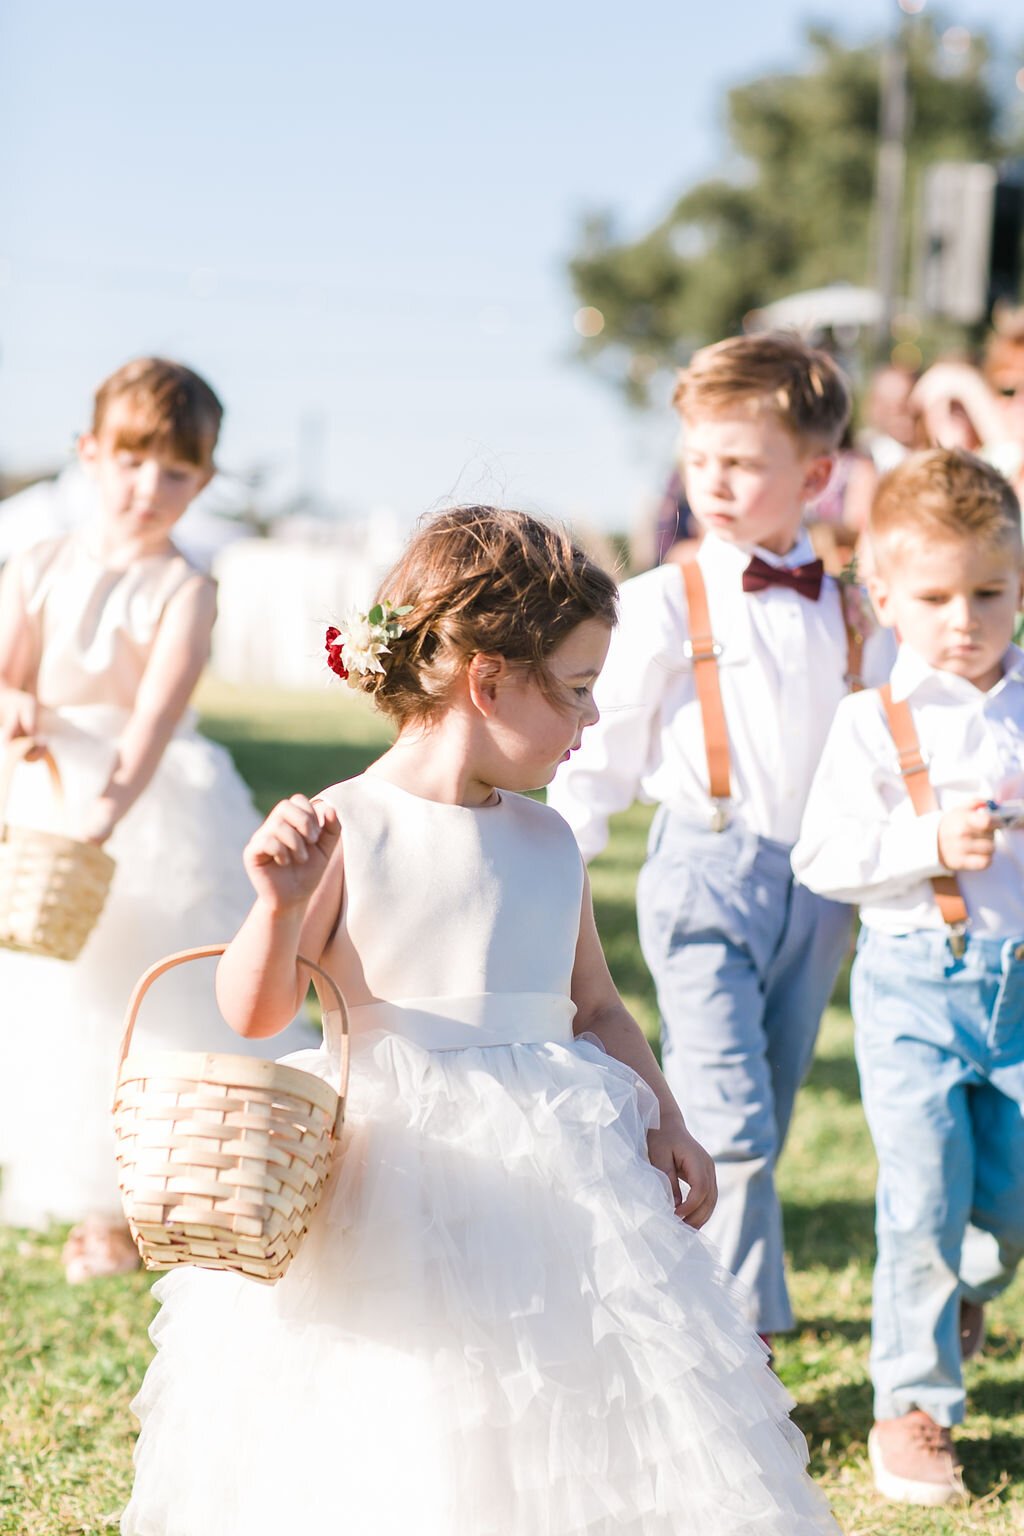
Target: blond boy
[720,717]
[898,820]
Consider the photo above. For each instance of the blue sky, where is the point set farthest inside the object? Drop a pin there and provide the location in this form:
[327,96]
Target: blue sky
[355,220]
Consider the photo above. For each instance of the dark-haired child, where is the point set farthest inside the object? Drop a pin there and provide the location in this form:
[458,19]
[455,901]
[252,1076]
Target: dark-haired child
[502,1322]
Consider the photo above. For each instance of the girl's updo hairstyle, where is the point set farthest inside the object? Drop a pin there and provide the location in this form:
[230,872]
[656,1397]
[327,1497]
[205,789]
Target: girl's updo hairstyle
[482,579]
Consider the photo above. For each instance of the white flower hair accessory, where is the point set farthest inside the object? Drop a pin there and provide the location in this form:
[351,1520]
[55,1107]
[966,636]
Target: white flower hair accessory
[364,638]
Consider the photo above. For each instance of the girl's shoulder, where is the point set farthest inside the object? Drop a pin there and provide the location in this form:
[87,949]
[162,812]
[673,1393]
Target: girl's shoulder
[543,819]
[149,584]
[532,817]
[34,568]
[182,567]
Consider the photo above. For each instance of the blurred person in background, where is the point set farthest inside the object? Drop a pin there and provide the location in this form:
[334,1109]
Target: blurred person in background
[103,633]
[981,409]
[891,420]
[836,519]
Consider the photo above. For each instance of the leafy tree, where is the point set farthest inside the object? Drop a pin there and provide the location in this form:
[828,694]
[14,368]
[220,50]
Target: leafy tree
[801,214]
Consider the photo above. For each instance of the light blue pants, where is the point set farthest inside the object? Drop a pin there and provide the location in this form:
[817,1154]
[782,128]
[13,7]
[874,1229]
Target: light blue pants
[744,961]
[940,1049]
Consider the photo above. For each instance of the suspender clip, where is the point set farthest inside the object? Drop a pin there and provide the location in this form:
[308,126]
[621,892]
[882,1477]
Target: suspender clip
[704,648]
[719,818]
[957,936]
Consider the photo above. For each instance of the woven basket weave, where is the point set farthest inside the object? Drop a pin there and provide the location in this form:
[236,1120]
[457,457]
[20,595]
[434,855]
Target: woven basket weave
[223,1158]
[52,887]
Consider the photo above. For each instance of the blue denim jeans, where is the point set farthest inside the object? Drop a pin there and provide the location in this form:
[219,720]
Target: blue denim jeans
[744,961]
[940,1050]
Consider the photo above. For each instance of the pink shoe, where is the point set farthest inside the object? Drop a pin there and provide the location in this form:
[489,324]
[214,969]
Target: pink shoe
[914,1461]
[97,1247]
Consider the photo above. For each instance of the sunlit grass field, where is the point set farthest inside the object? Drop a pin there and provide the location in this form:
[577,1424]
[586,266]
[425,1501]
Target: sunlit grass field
[72,1357]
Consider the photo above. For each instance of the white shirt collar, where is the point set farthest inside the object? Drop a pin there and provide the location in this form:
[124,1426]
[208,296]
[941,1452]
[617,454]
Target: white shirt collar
[737,557]
[911,672]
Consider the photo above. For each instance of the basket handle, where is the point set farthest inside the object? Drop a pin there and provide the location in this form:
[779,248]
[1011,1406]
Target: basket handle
[14,754]
[209,951]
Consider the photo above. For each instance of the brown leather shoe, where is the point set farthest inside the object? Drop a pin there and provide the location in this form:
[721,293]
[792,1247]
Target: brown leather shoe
[914,1461]
[972,1329]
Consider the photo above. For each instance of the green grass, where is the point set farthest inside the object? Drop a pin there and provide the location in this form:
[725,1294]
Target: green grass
[71,1358]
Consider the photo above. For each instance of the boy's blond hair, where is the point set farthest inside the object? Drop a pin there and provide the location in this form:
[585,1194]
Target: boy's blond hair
[775,372]
[156,404]
[943,493]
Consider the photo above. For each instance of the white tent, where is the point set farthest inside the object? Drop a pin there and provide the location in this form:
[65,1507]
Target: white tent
[816,309]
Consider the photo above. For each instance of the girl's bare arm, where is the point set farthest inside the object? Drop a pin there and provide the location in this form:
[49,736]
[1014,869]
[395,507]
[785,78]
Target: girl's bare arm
[18,661]
[179,654]
[600,1011]
[296,865]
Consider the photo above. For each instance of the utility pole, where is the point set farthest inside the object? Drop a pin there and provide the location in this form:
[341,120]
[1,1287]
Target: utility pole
[892,157]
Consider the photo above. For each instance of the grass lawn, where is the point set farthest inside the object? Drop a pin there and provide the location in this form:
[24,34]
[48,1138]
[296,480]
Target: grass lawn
[72,1357]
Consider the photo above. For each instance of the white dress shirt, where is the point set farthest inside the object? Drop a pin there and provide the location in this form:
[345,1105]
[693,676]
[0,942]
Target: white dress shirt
[861,840]
[782,671]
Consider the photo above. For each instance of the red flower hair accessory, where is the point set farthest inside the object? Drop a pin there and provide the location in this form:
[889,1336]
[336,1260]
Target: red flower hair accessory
[333,646]
[364,639]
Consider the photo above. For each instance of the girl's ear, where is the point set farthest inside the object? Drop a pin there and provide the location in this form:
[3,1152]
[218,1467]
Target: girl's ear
[484,676]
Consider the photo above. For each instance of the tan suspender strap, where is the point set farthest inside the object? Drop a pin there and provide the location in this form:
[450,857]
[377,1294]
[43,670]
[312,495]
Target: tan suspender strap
[704,652]
[852,622]
[922,797]
[854,653]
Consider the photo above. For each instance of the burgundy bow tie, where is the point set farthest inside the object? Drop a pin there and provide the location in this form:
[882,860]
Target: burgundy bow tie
[805,579]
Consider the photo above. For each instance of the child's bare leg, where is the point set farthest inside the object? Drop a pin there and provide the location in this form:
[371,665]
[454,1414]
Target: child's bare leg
[97,1246]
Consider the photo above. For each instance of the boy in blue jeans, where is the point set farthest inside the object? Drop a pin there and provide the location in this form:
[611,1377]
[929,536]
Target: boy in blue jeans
[723,676]
[911,814]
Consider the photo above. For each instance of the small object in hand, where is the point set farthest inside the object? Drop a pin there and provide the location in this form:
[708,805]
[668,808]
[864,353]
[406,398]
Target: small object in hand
[1007,815]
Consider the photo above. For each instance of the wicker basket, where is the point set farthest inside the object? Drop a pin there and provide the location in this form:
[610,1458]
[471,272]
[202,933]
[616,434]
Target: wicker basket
[52,887]
[223,1159]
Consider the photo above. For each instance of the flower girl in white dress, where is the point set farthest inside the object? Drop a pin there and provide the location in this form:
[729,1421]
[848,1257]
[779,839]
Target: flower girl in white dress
[502,1321]
[103,634]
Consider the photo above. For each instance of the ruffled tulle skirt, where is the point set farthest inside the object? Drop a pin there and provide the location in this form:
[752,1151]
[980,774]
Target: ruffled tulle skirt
[496,1326]
[179,883]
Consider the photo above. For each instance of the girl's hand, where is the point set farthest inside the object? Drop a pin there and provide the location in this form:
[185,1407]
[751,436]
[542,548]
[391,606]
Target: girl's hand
[672,1149]
[19,714]
[287,857]
[99,822]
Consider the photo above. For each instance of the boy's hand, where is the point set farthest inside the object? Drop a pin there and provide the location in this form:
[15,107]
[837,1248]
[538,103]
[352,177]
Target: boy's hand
[672,1149]
[286,858]
[967,838]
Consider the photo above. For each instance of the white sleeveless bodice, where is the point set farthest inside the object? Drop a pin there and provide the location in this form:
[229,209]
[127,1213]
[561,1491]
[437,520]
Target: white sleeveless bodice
[458,924]
[92,626]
